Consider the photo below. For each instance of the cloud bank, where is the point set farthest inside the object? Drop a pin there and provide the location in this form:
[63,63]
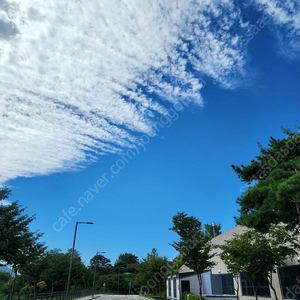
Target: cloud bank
[79,79]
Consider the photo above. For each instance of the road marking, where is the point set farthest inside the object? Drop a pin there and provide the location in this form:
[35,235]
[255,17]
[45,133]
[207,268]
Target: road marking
[110,297]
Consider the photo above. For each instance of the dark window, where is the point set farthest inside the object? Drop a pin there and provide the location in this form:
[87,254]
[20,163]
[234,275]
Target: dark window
[247,289]
[174,288]
[185,286]
[290,282]
[169,287]
[228,285]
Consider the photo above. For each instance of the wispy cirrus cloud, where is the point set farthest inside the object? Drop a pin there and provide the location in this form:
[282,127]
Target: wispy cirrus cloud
[82,79]
[285,17]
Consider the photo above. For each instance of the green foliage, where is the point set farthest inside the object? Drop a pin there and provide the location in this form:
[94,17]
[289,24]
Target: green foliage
[127,262]
[123,272]
[26,289]
[191,296]
[18,245]
[31,272]
[155,296]
[111,283]
[257,254]
[212,230]
[274,193]
[4,194]
[4,282]
[152,268]
[103,265]
[175,265]
[4,277]
[194,244]
[56,269]
[110,280]
[53,268]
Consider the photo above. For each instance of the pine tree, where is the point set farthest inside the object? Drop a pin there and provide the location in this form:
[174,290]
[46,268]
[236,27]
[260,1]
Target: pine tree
[273,196]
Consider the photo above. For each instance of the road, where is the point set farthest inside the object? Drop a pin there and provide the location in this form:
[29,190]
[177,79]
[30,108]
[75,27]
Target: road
[114,297]
[121,297]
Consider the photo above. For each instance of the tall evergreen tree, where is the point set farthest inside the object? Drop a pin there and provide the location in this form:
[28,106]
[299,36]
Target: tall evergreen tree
[273,177]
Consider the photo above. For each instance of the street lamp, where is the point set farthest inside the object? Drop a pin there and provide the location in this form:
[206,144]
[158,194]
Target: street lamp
[95,273]
[119,279]
[213,227]
[72,254]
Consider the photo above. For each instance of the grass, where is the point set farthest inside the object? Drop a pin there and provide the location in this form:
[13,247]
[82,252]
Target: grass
[149,296]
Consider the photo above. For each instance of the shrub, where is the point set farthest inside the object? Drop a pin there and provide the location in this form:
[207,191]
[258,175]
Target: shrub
[27,289]
[191,296]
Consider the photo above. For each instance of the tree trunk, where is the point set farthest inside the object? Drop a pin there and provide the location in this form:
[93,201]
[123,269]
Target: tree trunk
[159,287]
[34,289]
[298,209]
[13,285]
[272,287]
[237,286]
[255,288]
[200,285]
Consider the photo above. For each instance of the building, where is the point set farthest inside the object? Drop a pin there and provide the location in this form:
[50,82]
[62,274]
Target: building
[218,283]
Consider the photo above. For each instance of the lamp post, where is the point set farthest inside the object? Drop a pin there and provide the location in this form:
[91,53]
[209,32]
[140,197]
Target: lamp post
[95,273]
[119,279]
[72,254]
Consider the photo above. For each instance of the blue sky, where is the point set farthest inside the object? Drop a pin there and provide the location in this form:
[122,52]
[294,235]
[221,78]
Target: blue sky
[188,88]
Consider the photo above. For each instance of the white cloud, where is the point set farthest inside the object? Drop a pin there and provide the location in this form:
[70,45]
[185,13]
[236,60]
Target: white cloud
[79,79]
[4,203]
[285,16]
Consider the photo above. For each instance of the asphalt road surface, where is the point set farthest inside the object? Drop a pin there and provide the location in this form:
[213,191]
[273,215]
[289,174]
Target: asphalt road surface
[121,297]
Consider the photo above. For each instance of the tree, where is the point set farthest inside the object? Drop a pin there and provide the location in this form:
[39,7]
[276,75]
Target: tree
[128,262]
[194,245]
[18,245]
[176,264]
[152,272]
[80,276]
[56,269]
[125,267]
[111,282]
[53,268]
[212,230]
[31,273]
[258,255]
[4,282]
[4,194]
[102,264]
[274,193]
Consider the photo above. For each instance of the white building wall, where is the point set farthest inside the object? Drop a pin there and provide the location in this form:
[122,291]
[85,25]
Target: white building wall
[173,287]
